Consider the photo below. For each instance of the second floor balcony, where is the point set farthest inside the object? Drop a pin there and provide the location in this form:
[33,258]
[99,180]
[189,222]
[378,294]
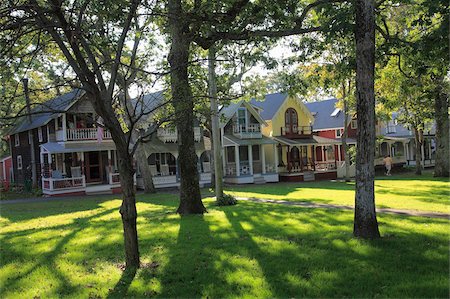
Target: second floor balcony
[244,131]
[170,134]
[295,131]
[80,134]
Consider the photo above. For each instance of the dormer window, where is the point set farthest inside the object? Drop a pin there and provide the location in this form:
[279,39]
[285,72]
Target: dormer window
[16,140]
[354,124]
[40,134]
[242,117]
[335,113]
[339,133]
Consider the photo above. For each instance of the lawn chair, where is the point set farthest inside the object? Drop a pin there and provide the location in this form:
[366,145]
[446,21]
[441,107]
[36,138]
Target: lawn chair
[206,167]
[57,174]
[153,170]
[165,169]
[75,171]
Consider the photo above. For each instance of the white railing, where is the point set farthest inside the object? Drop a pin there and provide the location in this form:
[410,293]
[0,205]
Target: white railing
[326,165]
[114,178]
[170,134]
[81,134]
[247,131]
[297,130]
[161,180]
[51,184]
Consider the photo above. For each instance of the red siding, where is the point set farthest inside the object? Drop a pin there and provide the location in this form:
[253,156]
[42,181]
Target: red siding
[327,134]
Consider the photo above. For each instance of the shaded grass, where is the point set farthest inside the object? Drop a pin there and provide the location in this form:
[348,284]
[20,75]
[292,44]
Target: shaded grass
[405,191]
[74,249]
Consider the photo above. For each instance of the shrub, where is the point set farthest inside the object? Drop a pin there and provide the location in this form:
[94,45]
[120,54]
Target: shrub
[226,200]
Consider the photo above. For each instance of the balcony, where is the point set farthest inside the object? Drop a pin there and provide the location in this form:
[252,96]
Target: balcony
[295,131]
[170,134]
[249,131]
[81,134]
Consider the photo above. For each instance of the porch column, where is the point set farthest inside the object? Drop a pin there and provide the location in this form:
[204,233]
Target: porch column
[339,152]
[236,159]
[288,159]
[250,158]
[263,158]
[224,164]
[49,161]
[429,149]
[42,166]
[83,172]
[64,126]
[275,158]
[64,163]
[422,153]
[109,166]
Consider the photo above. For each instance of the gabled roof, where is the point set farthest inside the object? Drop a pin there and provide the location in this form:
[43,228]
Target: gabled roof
[226,113]
[323,111]
[270,104]
[46,111]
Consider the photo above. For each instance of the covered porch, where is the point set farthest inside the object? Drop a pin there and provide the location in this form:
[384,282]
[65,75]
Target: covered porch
[298,158]
[78,170]
[247,161]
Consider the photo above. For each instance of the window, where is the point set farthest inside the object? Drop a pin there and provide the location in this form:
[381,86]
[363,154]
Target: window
[335,112]
[242,120]
[40,134]
[16,140]
[19,162]
[243,153]
[390,128]
[230,154]
[339,133]
[354,124]
[291,121]
[30,135]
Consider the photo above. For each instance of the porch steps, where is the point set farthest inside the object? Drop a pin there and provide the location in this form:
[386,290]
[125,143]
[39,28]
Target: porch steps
[258,180]
[308,176]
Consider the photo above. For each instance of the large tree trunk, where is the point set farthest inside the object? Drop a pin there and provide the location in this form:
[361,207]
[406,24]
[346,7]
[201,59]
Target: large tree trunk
[146,174]
[128,209]
[190,197]
[418,139]
[218,170]
[365,221]
[441,104]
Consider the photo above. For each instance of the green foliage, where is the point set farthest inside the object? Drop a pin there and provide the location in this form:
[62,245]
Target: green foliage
[226,200]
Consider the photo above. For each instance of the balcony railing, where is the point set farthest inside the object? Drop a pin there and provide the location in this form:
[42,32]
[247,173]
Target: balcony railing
[81,134]
[297,131]
[247,131]
[170,134]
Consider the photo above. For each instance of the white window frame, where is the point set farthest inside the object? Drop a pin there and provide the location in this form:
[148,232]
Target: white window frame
[40,137]
[29,136]
[354,124]
[16,139]
[340,133]
[19,162]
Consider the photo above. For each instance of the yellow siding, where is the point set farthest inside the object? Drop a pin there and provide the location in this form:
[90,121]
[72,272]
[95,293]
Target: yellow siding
[267,131]
[278,119]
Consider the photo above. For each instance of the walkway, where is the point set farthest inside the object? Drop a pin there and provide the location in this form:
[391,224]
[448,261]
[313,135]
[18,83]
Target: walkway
[331,206]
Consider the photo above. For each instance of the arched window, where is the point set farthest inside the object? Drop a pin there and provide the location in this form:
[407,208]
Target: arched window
[291,121]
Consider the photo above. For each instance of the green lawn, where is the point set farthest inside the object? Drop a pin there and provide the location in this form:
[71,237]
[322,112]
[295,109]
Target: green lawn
[405,191]
[73,248]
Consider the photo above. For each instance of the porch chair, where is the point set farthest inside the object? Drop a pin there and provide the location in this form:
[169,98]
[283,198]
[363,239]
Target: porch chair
[75,171]
[206,167]
[165,169]
[57,174]
[153,170]
[244,170]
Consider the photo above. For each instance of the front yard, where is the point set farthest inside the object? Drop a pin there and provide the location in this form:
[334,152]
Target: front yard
[73,248]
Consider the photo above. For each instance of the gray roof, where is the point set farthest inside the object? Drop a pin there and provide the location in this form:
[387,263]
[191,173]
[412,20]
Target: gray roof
[54,147]
[322,111]
[46,111]
[227,112]
[270,104]
[232,140]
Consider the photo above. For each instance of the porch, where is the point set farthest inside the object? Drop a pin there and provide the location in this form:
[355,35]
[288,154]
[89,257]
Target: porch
[247,161]
[86,169]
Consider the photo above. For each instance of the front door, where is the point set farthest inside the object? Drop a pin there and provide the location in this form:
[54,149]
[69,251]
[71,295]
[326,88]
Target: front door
[94,167]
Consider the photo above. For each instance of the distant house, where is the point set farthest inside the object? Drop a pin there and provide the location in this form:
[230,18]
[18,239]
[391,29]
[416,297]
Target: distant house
[73,154]
[398,141]
[6,170]
[291,125]
[248,155]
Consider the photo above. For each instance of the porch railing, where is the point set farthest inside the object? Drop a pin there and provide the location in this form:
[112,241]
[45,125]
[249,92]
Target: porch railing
[247,131]
[63,183]
[326,165]
[170,134]
[114,178]
[298,131]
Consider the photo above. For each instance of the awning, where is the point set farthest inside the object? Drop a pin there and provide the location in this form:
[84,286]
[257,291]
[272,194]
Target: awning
[314,140]
[57,148]
[230,140]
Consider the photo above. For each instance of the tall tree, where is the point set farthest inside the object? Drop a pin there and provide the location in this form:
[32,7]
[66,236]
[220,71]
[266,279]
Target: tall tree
[365,220]
[79,32]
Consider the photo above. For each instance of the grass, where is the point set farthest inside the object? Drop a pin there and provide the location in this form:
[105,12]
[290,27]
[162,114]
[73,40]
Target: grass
[403,191]
[73,248]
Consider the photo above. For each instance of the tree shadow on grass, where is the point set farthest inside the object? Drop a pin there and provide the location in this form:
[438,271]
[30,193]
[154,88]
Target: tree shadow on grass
[121,287]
